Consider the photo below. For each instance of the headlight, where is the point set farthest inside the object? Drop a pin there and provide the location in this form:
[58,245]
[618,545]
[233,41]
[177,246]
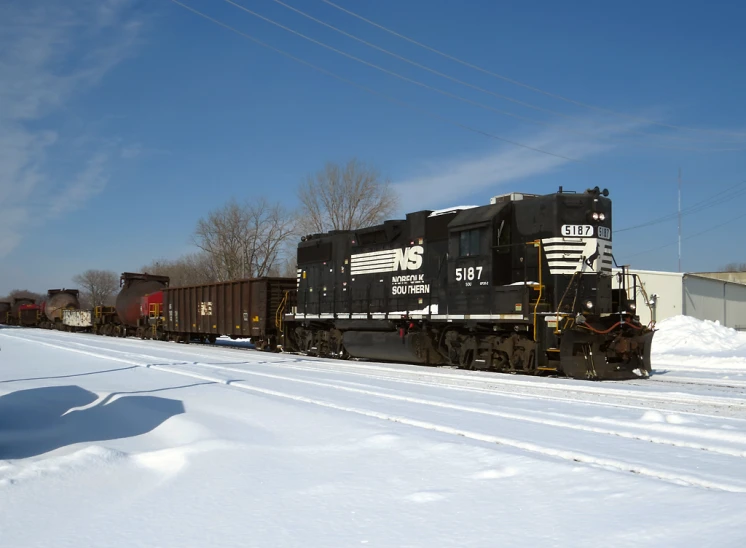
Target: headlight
[595,216]
[589,304]
[632,306]
[601,216]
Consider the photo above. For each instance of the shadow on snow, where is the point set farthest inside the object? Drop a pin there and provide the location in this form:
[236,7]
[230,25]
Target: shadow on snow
[39,420]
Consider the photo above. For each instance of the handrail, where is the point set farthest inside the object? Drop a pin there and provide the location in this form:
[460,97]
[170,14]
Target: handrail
[537,243]
[281,309]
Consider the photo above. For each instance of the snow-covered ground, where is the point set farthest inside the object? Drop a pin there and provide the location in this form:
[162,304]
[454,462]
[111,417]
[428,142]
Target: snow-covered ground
[121,442]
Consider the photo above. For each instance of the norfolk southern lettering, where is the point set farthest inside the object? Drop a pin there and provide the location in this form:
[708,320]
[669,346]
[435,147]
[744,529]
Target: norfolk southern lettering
[414,285]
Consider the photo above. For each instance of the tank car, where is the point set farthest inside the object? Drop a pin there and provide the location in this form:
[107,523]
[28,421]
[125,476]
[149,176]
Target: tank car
[134,287]
[521,285]
[57,301]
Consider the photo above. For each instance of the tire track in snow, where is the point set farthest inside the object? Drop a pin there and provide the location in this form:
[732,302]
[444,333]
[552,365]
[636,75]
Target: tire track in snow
[731,452]
[703,400]
[530,447]
[718,383]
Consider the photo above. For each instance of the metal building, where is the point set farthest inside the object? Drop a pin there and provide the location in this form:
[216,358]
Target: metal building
[703,297]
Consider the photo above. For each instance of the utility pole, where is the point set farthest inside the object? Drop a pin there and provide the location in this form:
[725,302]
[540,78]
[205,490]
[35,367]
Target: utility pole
[679,219]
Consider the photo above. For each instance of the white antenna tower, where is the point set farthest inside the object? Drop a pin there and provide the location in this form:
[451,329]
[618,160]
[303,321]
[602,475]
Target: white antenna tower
[679,219]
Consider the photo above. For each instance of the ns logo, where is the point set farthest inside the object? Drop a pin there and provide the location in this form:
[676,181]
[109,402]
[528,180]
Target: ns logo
[409,258]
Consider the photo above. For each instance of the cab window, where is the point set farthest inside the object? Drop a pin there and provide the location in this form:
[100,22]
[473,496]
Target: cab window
[469,243]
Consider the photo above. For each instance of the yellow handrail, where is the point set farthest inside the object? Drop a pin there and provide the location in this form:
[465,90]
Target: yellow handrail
[280,310]
[537,243]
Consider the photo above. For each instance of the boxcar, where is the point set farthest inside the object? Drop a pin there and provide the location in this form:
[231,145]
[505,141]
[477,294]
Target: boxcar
[246,308]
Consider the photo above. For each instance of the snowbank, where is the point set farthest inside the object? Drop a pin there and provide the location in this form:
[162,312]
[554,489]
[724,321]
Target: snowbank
[685,342]
[685,335]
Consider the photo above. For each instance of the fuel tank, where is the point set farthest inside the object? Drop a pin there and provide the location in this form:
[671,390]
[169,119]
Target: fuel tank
[59,300]
[391,346]
[134,287]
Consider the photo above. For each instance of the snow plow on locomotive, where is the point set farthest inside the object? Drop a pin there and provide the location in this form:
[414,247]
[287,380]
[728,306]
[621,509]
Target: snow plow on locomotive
[522,285]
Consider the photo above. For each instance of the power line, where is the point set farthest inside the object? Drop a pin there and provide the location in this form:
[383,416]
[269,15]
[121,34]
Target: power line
[375,92]
[715,199]
[528,86]
[483,90]
[447,93]
[734,219]
[389,98]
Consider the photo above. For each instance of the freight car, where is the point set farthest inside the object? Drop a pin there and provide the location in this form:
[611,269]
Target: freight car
[24,312]
[77,320]
[522,285]
[122,319]
[245,308]
[5,308]
[134,287]
[57,301]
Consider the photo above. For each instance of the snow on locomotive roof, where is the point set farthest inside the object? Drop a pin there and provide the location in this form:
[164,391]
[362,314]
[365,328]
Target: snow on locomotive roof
[450,210]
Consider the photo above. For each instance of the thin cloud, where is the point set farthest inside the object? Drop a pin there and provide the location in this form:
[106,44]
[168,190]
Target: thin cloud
[451,179]
[89,182]
[50,52]
[132,151]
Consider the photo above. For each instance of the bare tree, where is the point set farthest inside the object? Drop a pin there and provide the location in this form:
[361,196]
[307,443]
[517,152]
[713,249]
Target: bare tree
[735,267]
[24,294]
[345,198]
[245,240]
[97,286]
[287,268]
[192,269]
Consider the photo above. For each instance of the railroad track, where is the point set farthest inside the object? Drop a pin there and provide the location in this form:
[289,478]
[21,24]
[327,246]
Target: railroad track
[606,394]
[726,447]
[738,387]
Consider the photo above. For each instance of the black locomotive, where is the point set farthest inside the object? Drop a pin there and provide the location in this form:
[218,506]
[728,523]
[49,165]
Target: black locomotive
[522,285]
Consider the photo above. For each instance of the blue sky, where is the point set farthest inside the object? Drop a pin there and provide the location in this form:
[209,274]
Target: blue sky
[124,121]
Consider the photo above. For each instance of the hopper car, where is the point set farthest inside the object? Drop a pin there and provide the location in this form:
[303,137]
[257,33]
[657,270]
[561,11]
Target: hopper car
[239,309]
